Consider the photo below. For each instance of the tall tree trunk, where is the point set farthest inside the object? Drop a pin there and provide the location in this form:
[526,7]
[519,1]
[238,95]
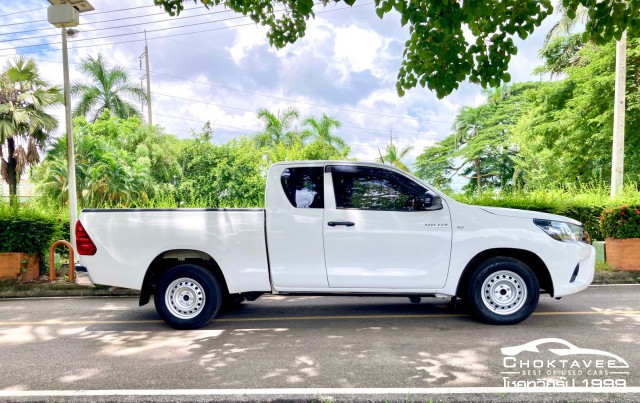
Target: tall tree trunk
[516,175]
[476,163]
[11,170]
[617,158]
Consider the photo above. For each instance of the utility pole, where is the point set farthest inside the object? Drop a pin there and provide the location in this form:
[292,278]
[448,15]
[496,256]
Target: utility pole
[148,76]
[71,163]
[617,158]
[63,15]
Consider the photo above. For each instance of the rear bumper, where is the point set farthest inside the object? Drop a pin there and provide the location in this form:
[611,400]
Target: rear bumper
[82,276]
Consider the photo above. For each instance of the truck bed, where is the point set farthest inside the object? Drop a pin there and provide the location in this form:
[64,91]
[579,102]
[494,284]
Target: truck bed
[129,240]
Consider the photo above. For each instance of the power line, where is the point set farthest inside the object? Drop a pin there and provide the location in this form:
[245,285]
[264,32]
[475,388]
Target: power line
[121,9]
[115,27]
[128,34]
[301,102]
[23,11]
[212,124]
[247,110]
[89,13]
[274,97]
[161,29]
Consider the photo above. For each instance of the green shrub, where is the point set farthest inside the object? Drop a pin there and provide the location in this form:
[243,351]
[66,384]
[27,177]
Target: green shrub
[26,230]
[621,222]
[582,204]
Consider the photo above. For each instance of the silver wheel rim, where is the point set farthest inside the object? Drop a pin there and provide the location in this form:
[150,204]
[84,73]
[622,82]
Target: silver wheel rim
[185,298]
[504,292]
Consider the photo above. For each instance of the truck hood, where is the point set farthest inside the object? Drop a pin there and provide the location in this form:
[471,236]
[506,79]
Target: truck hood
[510,212]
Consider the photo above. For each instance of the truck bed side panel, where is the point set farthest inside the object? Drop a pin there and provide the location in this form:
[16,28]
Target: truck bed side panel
[128,241]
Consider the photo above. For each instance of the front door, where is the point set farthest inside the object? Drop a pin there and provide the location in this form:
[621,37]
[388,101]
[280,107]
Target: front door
[384,230]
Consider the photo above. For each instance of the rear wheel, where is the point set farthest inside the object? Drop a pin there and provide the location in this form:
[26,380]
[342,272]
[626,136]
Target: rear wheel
[503,291]
[187,297]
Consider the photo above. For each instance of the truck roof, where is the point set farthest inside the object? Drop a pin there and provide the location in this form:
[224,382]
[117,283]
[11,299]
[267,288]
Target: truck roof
[331,162]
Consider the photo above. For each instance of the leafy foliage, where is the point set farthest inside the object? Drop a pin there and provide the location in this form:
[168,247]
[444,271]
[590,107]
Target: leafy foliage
[394,157]
[119,163]
[582,203]
[25,125]
[26,230]
[228,175]
[108,88]
[565,134]
[437,54]
[621,222]
[480,148]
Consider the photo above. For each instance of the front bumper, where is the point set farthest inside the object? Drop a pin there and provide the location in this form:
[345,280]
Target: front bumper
[571,266]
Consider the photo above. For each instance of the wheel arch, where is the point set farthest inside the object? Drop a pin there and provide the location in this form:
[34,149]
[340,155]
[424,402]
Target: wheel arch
[171,258]
[533,261]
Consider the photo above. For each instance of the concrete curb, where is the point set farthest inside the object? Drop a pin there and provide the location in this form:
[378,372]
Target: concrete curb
[75,290]
[62,290]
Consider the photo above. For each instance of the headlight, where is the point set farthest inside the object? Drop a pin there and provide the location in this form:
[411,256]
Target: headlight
[563,231]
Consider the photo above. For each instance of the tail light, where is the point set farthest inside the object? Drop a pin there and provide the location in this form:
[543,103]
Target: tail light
[84,244]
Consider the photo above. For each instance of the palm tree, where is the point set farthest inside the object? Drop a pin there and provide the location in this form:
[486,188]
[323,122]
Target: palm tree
[564,26]
[467,125]
[320,130]
[24,124]
[109,88]
[277,128]
[394,157]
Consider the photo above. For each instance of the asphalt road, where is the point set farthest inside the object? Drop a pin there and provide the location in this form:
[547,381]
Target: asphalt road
[323,349]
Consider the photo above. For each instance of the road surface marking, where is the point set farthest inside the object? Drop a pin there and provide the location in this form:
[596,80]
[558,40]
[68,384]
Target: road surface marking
[291,318]
[309,391]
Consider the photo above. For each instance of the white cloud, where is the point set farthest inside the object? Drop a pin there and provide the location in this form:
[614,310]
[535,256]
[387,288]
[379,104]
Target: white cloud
[356,49]
[348,60]
[247,39]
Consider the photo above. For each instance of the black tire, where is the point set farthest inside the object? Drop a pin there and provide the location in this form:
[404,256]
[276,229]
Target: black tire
[187,297]
[502,291]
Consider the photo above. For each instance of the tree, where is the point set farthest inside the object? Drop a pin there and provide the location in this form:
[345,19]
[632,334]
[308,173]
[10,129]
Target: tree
[106,175]
[24,124]
[480,148]
[437,54]
[559,54]
[320,129]
[565,136]
[277,128]
[394,157]
[108,88]
[227,175]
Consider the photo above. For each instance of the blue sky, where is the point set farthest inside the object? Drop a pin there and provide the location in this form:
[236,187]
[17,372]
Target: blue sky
[345,66]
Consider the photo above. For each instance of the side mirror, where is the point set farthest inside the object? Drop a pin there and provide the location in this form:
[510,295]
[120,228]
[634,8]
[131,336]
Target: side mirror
[431,202]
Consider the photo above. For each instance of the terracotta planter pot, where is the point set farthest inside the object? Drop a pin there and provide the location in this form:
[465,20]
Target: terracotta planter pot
[11,266]
[623,254]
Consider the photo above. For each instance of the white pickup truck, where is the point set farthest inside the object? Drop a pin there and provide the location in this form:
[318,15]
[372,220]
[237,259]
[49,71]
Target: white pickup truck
[337,228]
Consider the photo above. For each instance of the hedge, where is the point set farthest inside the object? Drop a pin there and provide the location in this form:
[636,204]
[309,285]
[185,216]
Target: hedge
[584,208]
[621,222]
[28,231]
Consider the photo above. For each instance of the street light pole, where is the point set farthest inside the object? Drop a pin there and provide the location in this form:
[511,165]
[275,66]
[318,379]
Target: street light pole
[63,14]
[71,160]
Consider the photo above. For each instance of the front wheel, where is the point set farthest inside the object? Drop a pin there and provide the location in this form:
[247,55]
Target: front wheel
[503,291]
[187,297]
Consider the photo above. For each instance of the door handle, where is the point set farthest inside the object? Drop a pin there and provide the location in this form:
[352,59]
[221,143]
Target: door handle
[345,223]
